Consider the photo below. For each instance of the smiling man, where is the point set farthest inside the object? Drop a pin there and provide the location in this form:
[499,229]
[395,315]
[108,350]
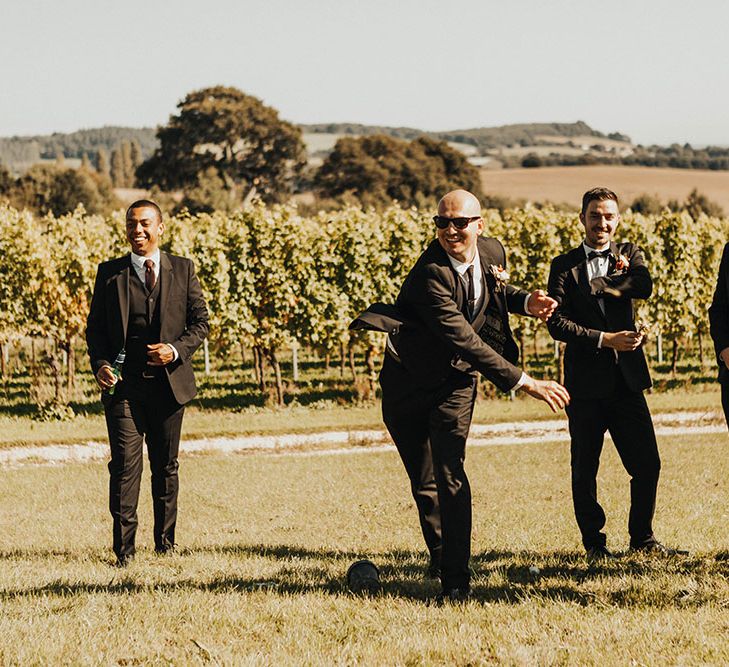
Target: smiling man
[451,322]
[605,371]
[149,304]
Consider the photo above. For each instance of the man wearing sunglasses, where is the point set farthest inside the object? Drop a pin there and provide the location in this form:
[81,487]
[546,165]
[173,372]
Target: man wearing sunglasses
[450,322]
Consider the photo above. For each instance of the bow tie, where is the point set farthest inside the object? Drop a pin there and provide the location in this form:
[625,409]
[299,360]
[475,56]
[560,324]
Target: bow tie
[598,253]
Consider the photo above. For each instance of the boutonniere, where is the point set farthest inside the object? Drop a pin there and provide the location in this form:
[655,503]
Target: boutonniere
[500,274]
[645,328]
[621,263]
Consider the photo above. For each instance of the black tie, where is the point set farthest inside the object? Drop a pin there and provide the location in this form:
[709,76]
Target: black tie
[597,253]
[149,277]
[470,292]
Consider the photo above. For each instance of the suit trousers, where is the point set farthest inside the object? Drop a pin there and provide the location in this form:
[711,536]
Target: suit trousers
[725,400]
[139,411]
[430,428]
[625,415]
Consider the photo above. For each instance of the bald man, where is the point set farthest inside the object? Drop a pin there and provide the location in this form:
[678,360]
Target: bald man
[450,322]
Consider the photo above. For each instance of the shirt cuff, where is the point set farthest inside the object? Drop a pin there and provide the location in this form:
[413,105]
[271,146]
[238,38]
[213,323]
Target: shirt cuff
[524,377]
[526,308]
[599,340]
[175,353]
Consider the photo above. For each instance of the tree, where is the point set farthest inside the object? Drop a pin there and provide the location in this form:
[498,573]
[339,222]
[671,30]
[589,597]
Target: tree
[698,203]
[102,163]
[378,169]
[127,165]
[6,181]
[135,154]
[531,160]
[244,140]
[46,188]
[647,204]
[117,168]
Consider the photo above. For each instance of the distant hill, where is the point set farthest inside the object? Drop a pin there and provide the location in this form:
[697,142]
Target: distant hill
[523,144]
[20,152]
[484,138]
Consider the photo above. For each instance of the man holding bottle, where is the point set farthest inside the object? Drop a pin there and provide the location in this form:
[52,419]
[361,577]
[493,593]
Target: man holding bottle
[148,316]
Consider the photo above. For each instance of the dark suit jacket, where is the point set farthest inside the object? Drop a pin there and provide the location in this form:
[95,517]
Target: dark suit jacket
[428,327]
[578,321]
[719,314]
[183,317]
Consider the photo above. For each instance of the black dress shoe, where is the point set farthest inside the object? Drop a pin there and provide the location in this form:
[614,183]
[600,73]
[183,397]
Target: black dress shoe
[453,596]
[433,571]
[600,553]
[658,549]
[124,560]
[161,551]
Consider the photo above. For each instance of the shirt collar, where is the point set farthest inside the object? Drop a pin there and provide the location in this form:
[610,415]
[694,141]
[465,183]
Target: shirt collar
[588,249]
[462,267]
[138,260]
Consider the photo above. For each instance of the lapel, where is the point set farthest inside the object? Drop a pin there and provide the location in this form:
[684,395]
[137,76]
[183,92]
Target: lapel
[166,276]
[122,290]
[579,273]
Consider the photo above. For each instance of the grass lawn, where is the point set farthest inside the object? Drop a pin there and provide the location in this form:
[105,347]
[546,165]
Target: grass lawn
[266,541]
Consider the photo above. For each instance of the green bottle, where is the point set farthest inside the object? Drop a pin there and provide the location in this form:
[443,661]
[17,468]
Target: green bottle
[116,369]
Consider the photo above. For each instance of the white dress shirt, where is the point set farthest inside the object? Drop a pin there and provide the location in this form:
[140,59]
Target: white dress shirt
[597,267]
[138,265]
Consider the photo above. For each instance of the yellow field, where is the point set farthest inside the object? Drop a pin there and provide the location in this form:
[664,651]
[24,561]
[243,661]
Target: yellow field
[567,184]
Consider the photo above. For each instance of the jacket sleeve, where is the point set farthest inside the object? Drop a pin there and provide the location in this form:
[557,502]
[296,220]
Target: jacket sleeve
[97,338]
[196,318]
[561,324]
[719,309]
[635,283]
[432,302]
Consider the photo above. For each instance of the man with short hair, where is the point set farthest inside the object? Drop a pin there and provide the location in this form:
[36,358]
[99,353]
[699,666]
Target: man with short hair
[449,323]
[605,371]
[149,304]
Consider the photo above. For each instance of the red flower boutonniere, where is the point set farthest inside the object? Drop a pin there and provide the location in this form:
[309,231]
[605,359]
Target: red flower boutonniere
[622,263]
[500,274]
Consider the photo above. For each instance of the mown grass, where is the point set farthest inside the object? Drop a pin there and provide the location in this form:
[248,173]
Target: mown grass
[265,542]
[229,403]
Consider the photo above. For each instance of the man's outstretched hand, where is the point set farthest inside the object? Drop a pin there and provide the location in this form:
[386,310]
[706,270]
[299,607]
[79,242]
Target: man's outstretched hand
[552,393]
[540,305]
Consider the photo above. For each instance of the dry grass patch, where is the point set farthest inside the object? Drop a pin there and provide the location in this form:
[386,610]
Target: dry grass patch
[567,184]
[265,541]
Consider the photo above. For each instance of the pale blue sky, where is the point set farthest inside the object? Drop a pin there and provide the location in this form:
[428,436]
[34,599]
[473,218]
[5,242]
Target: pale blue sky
[658,71]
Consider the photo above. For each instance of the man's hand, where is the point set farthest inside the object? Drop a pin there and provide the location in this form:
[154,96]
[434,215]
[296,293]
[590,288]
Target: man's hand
[159,354]
[552,393]
[105,377]
[540,305]
[622,341]
[724,356]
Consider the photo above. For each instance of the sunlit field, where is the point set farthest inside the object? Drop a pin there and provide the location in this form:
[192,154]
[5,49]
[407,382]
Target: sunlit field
[265,542]
[565,185]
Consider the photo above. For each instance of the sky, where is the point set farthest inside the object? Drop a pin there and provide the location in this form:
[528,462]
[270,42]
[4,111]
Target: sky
[655,70]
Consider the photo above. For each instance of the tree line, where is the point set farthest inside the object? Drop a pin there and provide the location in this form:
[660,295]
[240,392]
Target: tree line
[273,277]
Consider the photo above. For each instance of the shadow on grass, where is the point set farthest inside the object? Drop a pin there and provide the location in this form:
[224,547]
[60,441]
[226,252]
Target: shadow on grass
[560,577]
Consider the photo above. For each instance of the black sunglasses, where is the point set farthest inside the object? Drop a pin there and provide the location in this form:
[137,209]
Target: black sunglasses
[441,222]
